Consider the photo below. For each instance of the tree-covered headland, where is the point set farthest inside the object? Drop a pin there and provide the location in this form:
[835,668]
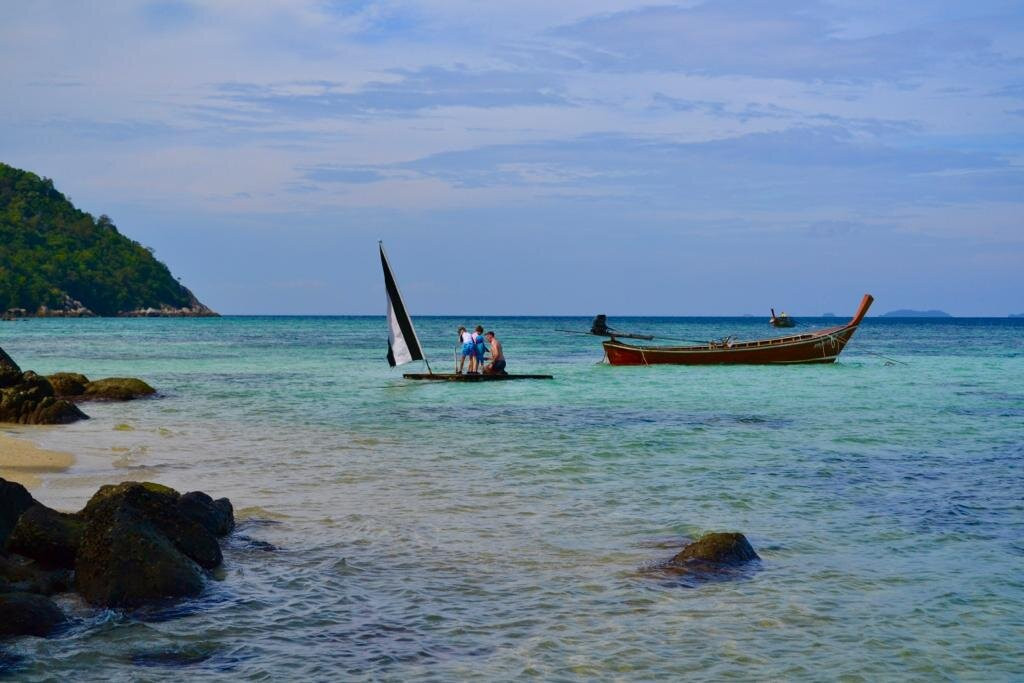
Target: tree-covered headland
[58,260]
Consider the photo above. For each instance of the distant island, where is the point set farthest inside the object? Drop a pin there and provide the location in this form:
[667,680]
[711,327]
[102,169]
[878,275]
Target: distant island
[910,313]
[1016,315]
[828,315]
[56,260]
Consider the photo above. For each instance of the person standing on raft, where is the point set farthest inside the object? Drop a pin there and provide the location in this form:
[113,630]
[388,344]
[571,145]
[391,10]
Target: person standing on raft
[467,350]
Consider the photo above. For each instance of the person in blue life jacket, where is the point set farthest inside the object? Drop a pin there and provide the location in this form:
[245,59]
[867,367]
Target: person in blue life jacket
[479,349]
[497,364]
[467,350]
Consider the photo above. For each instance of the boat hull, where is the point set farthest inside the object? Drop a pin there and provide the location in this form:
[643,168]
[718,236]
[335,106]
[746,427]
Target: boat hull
[458,377]
[820,346]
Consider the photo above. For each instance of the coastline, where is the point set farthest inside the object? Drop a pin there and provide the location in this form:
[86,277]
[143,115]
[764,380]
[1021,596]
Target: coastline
[22,461]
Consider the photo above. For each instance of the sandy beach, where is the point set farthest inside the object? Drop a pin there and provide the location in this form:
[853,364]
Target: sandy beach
[23,461]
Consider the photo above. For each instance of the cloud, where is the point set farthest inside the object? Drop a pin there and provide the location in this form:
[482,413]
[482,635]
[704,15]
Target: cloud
[792,39]
[410,92]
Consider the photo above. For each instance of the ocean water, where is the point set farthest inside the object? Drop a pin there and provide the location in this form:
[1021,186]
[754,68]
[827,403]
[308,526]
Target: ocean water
[392,530]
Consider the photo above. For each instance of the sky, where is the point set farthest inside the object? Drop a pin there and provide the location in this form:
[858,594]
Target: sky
[547,158]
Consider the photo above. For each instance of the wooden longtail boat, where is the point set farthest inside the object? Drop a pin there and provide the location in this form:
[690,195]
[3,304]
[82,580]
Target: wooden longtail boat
[781,320]
[819,346]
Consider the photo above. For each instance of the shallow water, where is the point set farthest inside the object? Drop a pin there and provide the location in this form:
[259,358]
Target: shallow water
[512,530]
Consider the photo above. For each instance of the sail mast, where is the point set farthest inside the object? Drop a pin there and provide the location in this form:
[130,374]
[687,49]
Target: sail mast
[403,344]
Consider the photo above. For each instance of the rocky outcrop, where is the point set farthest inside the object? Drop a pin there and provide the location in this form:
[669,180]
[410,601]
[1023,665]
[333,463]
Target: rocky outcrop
[216,516]
[20,574]
[68,308]
[194,310]
[30,399]
[49,537]
[140,546]
[68,383]
[26,614]
[134,543]
[117,389]
[78,387]
[715,550]
[14,500]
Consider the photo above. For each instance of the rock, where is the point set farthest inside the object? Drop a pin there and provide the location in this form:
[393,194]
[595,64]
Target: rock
[14,500]
[20,574]
[47,536]
[716,549]
[126,561]
[25,614]
[31,401]
[68,383]
[10,373]
[217,516]
[117,389]
[158,505]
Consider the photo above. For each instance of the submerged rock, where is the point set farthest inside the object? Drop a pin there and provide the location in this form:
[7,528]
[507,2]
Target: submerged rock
[51,538]
[68,383]
[117,389]
[25,614]
[716,549]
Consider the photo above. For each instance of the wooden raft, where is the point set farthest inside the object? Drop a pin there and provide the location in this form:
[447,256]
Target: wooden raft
[455,377]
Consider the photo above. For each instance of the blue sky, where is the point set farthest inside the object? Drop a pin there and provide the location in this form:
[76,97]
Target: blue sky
[691,158]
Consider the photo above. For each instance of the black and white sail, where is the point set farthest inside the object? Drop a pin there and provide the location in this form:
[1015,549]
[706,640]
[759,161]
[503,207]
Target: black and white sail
[403,344]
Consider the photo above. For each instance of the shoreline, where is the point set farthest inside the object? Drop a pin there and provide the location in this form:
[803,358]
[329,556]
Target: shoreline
[22,461]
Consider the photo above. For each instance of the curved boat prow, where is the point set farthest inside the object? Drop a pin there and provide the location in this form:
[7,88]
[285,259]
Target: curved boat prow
[865,304]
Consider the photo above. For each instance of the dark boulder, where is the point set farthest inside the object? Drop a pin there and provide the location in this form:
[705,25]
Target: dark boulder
[216,516]
[117,389]
[14,500]
[10,373]
[31,400]
[126,561]
[20,574]
[68,383]
[47,536]
[26,614]
[158,505]
[715,550]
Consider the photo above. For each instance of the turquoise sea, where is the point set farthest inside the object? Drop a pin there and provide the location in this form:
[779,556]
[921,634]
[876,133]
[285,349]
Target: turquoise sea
[513,530]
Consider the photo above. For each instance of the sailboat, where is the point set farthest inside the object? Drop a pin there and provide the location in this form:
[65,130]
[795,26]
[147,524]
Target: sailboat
[404,345]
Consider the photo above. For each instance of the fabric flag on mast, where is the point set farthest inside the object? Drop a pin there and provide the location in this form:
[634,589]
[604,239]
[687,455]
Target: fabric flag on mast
[403,344]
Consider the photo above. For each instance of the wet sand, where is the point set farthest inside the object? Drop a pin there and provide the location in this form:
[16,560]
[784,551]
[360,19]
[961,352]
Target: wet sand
[23,461]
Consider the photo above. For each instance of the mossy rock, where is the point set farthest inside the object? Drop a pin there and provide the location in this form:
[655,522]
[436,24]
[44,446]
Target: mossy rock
[20,574]
[51,538]
[26,614]
[126,561]
[68,383]
[217,516]
[117,389]
[32,401]
[717,549]
[158,505]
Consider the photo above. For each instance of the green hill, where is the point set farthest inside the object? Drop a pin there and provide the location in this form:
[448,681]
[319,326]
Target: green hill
[57,260]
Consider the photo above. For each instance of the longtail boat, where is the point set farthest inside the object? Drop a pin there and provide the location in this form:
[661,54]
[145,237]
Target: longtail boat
[404,344]
[781,320]
[818,346]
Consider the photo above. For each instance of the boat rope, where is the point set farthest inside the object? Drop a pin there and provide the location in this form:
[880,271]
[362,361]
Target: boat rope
[643,357]
[885,358]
